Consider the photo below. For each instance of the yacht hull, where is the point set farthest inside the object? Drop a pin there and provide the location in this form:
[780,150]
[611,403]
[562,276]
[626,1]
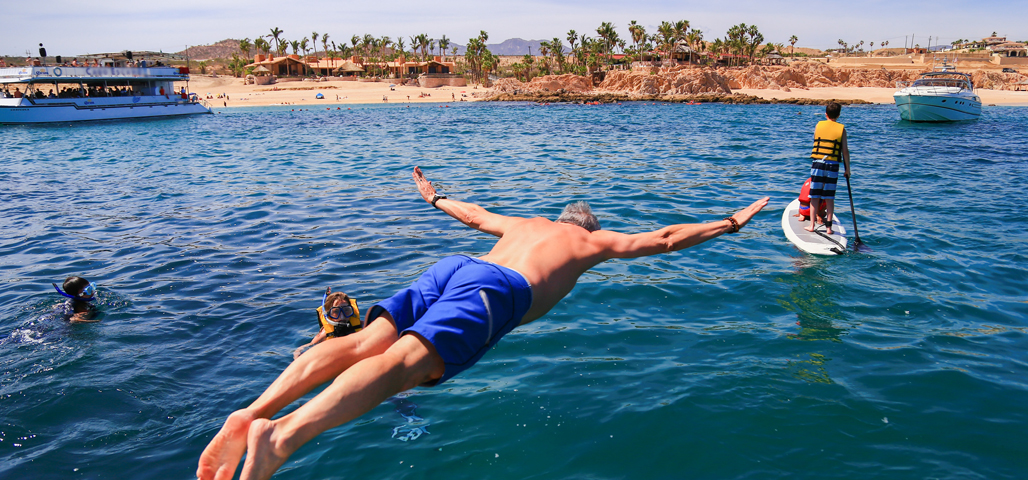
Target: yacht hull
[931,108]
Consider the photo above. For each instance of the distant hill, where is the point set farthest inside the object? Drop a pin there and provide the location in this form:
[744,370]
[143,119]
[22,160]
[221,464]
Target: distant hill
[222,49]
[516,46]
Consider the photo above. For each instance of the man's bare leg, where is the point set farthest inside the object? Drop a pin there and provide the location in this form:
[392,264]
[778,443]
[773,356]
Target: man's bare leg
[320,364]
[410,362]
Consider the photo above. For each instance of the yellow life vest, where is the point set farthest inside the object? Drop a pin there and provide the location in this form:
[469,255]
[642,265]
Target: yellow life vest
[828,140]
[343,327]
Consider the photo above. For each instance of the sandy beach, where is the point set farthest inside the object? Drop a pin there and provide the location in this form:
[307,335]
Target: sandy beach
[335,92]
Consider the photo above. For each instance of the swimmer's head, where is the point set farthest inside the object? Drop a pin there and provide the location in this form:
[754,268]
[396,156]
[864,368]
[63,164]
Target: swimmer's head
[78,288]
[338,307]
[579,213]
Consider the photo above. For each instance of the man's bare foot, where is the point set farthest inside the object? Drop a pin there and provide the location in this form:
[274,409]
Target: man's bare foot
[829,231]
[221,457]
[264,456]
[810,228]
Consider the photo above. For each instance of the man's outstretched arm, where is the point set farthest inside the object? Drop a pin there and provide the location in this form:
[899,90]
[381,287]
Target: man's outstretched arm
[677,237]
[469,214]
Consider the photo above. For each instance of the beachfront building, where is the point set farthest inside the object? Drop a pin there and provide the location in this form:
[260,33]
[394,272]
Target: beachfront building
[1009,49]
[401,68]
[285,66]
[324,67]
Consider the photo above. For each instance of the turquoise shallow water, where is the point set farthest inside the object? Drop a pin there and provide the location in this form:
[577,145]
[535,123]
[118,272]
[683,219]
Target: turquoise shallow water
[212,239]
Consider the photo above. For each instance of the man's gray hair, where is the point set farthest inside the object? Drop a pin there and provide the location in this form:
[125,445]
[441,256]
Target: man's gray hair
[579,213]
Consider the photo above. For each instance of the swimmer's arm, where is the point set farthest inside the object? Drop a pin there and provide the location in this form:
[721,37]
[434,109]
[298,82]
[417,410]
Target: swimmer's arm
[469,214]
[477,217]
[83,317]
[671,238]
[320,337]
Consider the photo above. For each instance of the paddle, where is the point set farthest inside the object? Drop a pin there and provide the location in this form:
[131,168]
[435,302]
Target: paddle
[858,246]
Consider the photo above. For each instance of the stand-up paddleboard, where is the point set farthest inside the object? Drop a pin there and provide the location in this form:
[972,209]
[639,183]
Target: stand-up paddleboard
[817,242]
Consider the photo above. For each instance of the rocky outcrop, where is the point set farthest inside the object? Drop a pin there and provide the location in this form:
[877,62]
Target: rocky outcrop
[665,81]
[996,80]
[813,75]
[544,84]
[684,83]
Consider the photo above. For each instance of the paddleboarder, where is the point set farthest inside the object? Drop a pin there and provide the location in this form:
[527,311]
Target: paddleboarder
[830,147]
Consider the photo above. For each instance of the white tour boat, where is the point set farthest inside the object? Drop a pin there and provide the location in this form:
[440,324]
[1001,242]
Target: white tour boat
[939,96]
[44,94]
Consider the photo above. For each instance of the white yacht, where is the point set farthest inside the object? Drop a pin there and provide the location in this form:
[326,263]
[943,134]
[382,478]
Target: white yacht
[43,94]
[939,96]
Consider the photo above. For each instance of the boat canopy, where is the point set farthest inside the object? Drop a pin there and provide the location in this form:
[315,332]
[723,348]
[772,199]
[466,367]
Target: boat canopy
[85,74]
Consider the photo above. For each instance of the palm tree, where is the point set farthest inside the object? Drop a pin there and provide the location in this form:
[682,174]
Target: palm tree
[666,32]
[423,43]
[754,39]
[296,46]
[324,42]
[262,45]
[692,38]
[557,49]
[681,28]
[444,43]
[609,36]
[792,45]
[354,40]
[572,38]
[717,46]
[544,51]
[400,44]
[275,35]
[245,46]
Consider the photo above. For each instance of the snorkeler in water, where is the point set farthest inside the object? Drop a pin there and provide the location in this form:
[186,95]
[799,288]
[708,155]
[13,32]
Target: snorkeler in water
[338,316]
[80,293]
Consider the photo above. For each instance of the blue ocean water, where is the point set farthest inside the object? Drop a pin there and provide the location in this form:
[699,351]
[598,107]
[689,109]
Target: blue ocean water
[212,239]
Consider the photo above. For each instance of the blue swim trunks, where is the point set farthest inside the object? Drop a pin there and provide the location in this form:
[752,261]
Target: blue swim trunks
[824,176]
[462,306]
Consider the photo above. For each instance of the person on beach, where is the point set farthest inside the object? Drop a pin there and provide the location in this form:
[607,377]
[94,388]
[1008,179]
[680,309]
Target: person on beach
[439,326]
[338,316]
[830,147]
[80,293]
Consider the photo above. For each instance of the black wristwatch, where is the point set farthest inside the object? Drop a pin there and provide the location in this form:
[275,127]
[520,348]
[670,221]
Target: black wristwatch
[436,198]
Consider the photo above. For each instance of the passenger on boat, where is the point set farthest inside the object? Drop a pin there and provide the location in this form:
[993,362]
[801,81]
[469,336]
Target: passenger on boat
[17,93]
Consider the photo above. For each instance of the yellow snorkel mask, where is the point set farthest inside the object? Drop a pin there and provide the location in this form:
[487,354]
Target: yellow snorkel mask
[339,321]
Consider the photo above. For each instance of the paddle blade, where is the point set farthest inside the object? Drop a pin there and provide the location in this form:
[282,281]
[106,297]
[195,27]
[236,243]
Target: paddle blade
[860,247]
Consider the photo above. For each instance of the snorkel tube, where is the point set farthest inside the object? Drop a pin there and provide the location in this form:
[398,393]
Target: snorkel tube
[65,294]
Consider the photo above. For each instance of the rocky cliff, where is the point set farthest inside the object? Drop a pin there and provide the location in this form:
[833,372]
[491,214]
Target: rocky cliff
[686,81]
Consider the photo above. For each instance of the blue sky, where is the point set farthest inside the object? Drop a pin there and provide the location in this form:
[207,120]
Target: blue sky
[71,28]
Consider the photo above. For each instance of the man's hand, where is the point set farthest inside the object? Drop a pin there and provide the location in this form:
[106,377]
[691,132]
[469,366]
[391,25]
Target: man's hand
[745,215]
[424,186]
